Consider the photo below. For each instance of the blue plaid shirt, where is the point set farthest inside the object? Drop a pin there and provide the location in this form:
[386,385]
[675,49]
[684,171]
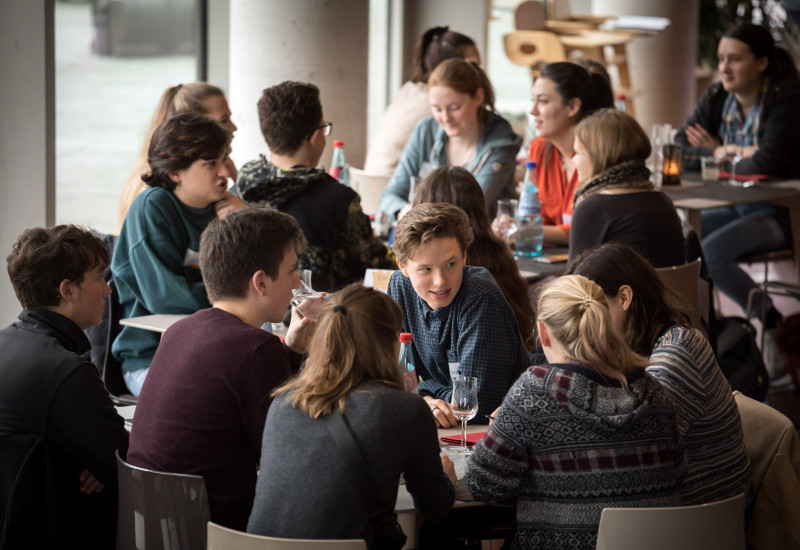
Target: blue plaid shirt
[476,335]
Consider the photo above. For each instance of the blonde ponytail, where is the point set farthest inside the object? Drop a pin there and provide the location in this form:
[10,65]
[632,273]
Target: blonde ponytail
[575,312]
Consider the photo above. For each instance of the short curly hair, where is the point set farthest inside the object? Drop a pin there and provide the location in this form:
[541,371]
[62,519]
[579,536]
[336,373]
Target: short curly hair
[43,257]
[428,221]
[289,113]
[178,142]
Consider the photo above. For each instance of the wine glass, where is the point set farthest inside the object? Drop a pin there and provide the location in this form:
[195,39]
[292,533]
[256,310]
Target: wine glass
[505,221]
[732,150]
[464,404]
[304,291]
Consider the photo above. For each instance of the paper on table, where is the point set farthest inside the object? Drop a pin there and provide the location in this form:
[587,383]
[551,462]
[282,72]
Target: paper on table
[471,439]
[700,203]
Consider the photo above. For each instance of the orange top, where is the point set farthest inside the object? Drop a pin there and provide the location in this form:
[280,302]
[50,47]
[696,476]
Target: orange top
[555,193]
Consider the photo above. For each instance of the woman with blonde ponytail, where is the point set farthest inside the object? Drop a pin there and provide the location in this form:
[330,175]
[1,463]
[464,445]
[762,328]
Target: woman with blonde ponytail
[589,430]
[351,368]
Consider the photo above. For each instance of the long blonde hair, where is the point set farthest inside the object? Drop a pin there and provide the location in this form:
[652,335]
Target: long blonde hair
[574,310]
[354,343]
[183,98]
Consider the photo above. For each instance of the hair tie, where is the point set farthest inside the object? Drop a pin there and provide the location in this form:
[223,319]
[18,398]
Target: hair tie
[585,303]
[439,31]
[340,309]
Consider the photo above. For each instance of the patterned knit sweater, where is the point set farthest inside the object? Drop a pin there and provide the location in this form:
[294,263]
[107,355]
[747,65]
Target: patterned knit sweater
[567,443]
[716,464]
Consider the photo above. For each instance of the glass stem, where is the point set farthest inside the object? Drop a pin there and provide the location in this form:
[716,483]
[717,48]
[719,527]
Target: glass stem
[464,435]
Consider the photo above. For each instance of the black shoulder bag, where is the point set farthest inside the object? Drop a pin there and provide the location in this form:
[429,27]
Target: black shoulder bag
[386,533]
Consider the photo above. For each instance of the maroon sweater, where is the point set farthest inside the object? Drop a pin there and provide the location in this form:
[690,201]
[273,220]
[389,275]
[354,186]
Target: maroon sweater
[204,403]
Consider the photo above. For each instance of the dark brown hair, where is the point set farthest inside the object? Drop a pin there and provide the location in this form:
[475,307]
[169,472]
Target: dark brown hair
[612,265]
[425,222]
[42,258]
[455,185]
[354,343]
[761,44]
[587,83]
[289,113]
[235,248]
[179,142]
[434,46]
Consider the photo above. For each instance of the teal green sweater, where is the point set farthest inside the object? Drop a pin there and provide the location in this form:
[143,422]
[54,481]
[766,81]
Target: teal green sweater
[153,271]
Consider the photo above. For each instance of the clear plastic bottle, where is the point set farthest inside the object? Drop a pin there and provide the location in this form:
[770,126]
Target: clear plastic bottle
[620,102]
[407,361]
[339,164]
[530,235]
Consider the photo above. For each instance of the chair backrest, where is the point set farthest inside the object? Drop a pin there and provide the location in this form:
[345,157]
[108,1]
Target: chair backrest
[713,526]
[370,187]
[222,538]
[112,369]
[159,510]
[529,15]
[531,48]
[683,283]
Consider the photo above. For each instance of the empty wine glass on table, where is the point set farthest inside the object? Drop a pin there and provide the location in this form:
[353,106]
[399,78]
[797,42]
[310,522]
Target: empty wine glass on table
[464,404]
[505,219]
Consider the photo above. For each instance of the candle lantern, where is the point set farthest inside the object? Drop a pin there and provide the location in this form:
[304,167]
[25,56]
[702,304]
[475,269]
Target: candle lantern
[671,165]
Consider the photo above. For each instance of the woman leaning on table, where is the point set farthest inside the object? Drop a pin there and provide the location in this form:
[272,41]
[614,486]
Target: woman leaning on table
[463,131]
[306,486]
[683,361]
[757,98]
[569,432]
[616,201]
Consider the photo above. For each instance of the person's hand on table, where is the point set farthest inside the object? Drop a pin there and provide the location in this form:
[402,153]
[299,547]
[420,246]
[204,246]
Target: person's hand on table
[89,483]
[449,468]
[441,412]
[748,151]
[231,203]
[301,330]
[700,137]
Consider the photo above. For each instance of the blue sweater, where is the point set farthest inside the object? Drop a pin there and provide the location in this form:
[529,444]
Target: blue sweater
[155,268]
[492,165]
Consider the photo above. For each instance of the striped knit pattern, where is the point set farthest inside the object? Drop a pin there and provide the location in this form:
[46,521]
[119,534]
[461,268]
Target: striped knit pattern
[717,466]
[567,444]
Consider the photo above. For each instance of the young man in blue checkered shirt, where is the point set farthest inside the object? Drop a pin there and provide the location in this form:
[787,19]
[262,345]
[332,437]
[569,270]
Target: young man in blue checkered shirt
[460,321]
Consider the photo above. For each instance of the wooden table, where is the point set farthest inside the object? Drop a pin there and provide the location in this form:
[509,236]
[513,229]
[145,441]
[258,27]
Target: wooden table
[693,196]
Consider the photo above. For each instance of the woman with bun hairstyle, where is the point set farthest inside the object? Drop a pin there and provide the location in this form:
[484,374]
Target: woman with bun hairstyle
[463,131]
[411,103]
[563,95]
[196,97]
[569,431]
[351,370]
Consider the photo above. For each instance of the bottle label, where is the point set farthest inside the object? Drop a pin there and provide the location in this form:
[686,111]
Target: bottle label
[336,171]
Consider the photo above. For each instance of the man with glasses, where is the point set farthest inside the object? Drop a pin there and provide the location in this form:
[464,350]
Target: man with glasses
[341,244]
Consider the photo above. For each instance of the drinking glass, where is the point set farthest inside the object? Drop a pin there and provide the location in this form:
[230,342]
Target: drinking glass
[732,149]
[304,291]
[464,404]
[505,220]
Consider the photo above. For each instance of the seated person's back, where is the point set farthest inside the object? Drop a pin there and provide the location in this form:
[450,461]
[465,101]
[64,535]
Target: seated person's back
[341,244]
[587,431]
[203,405]
[56,412]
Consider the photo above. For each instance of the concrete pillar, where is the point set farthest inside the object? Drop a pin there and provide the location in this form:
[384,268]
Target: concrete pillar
[324,42]
[27,129]
[661,66]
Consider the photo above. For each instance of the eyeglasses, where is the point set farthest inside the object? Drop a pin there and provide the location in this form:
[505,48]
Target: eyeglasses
[326,128]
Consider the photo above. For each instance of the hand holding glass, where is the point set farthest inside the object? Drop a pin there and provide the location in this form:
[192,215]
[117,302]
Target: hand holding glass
[464,404]
[304,291]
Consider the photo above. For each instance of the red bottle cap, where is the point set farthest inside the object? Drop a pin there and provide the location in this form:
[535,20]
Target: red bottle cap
[338,143]
[405,338]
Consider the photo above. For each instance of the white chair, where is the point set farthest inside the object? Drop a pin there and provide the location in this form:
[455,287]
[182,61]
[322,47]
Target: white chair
[222,538]
[370,187]
[713,526]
